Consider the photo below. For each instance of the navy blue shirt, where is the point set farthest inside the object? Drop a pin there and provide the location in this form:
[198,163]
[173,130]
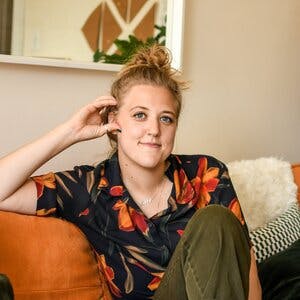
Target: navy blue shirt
[133,250]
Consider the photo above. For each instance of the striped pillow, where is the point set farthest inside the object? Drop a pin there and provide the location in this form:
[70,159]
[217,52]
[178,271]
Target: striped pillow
[277,235]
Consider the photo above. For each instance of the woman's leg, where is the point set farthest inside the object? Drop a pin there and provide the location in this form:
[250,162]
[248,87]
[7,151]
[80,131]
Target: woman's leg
[211,261]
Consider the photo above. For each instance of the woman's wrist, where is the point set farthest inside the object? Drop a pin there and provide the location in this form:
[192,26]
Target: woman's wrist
[65,135]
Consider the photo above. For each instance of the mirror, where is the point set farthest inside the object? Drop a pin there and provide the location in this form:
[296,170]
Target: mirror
[67,33]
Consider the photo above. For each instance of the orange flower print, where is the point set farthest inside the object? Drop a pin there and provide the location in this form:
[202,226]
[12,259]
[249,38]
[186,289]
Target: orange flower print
[110,276]
[139,221]
[153,285]
[235,207]
[180,231]
[129,218]
[205,182]
[124,219]
[116,190]
[103,180]
[47,180]
[176,184]
[45,212]
[184,189]
[85,212]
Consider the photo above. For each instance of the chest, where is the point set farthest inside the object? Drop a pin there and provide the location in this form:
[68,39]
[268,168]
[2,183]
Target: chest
[113,225]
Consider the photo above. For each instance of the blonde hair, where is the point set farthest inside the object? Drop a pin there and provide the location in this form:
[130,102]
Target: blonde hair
[151,66]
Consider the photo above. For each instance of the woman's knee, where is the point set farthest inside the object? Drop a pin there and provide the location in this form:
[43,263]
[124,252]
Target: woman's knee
[214,217]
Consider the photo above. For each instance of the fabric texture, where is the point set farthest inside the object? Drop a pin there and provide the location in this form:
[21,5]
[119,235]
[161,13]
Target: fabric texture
[48,259]
[265,187]
[134,251]
[296,173]
[277,235]
[219,270]
[280,274]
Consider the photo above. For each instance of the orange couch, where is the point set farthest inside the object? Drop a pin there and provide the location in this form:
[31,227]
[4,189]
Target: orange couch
[48,258]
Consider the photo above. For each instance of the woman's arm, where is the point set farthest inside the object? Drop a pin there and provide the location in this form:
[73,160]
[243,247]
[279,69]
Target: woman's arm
[255,292]
[17,190]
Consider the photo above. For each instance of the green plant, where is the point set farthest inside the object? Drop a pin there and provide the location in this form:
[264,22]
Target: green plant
[126,48]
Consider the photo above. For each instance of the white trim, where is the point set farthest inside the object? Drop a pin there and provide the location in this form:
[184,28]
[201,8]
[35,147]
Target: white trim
[174,34]
[58,63]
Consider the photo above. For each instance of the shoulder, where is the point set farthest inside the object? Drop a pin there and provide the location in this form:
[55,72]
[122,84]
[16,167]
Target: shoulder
[197,164]
[196,159]
[81,173]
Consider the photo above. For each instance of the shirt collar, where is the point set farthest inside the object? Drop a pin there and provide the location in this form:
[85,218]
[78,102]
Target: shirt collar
[112,173]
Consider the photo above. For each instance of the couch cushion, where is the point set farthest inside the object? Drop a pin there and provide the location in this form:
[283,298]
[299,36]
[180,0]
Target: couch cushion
[48,258]
[280,274]
[296,172]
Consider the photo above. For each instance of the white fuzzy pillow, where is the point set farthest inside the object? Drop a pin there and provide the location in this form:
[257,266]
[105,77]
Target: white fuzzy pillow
[265,188]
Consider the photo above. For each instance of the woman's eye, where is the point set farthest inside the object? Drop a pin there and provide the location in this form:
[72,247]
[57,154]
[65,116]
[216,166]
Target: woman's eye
[166,120]
[139,116]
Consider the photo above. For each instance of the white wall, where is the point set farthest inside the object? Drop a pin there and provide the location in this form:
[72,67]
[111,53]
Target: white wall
[242,58]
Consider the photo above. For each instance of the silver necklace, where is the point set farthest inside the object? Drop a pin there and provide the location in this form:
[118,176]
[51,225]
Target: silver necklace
[150,199]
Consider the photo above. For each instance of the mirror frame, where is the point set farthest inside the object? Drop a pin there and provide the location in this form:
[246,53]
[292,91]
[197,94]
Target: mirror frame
[174,42]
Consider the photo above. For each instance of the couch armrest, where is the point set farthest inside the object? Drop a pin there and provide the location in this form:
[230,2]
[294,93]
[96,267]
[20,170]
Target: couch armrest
[48,258]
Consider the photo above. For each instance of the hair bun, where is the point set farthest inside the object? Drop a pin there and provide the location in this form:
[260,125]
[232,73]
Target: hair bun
[156,56]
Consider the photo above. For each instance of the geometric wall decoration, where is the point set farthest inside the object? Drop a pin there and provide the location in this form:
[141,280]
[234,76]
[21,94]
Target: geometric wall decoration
[116,19]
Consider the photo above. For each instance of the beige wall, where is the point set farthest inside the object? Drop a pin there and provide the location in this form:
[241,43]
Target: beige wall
[242,58]
[42,35]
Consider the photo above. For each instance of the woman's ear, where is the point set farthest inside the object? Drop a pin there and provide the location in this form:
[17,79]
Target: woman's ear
[112,116]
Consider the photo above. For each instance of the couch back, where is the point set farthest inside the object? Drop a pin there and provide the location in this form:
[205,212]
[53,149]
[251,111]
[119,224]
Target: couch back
[296,172]
[48,258]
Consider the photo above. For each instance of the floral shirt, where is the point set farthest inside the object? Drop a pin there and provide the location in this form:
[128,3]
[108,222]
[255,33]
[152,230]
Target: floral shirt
[133,250]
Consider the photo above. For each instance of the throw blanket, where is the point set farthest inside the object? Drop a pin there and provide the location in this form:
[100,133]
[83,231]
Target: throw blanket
[265,188]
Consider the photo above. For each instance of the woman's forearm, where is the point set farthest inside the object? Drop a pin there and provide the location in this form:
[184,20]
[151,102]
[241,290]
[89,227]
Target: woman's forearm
[16,167]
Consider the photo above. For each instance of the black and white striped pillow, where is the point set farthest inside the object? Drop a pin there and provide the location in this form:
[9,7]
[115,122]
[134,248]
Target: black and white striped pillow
[277,235]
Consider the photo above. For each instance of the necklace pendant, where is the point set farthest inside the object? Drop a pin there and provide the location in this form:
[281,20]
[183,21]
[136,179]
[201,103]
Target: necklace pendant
[146,201]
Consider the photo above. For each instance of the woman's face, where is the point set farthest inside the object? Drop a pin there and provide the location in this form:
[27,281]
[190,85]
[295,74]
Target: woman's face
[147,117]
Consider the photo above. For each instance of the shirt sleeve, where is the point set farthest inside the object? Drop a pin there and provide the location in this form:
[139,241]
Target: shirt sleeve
[64,194]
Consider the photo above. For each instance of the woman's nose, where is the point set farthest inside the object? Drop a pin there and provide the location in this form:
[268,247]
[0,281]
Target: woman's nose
[153,127]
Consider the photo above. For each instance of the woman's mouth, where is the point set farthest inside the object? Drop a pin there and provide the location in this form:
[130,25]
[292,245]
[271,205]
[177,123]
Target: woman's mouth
[151,144]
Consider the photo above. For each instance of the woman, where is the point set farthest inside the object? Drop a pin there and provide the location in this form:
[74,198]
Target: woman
[143,206]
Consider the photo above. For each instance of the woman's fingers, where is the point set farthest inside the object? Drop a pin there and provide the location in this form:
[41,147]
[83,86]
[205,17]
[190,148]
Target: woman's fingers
[104,101]
[100,130]
[88,123]
[112,127]
[99,105]
[104,97]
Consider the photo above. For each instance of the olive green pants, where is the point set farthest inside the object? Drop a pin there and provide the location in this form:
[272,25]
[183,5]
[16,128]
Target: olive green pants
[211,260]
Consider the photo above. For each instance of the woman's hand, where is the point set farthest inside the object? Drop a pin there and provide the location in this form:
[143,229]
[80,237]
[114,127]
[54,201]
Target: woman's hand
[88,122]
